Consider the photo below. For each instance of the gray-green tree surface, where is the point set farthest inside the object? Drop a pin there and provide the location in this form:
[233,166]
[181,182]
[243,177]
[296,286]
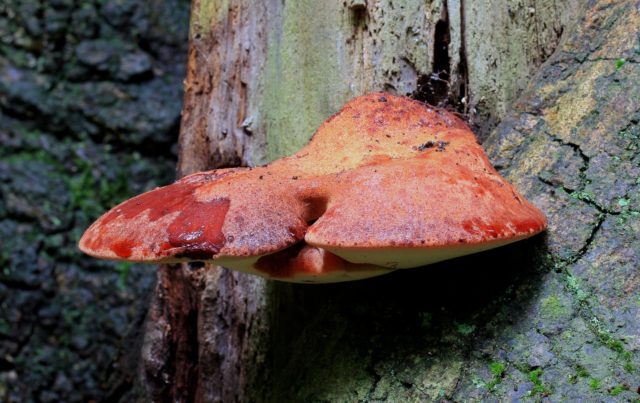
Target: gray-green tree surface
[553,89]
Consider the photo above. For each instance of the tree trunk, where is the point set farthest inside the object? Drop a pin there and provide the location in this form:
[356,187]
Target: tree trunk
[557,316]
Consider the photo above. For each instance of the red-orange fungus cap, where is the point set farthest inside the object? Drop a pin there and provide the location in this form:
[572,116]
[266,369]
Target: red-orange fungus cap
[386,183]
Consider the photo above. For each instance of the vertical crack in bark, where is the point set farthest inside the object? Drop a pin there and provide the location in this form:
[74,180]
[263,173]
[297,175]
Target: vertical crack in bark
[434,88]
[170,366]
[463,71]
[444,87]
[539,51]
[602,211]
[594,231]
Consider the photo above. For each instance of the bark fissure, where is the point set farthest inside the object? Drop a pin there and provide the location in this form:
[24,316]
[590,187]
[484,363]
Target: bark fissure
[436,86]
[463,100]
[577,193]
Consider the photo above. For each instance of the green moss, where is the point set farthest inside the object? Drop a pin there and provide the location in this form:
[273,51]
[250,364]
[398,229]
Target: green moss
[554,308]
[583,195]
[581,371]
[573,284]
[627,215]
[616,390]
[613,344]
[497,369]
[92,195]
[594,384]
[620,62]
[465,329]
[622,202]
[539,388]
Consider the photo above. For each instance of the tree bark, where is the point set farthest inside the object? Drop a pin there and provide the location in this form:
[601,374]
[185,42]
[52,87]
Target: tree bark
[555,316]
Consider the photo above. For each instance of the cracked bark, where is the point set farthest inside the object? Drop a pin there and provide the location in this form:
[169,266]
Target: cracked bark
[557,312]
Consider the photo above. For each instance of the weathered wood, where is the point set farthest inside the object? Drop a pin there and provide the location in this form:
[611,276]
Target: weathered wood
[263,75]
[198,339]
[227,52]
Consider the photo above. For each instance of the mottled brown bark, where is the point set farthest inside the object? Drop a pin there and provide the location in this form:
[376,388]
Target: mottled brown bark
[171,349]
[201,330]
[205,320]
[226,54]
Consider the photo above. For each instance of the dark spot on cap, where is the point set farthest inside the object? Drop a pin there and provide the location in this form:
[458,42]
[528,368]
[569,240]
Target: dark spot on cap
[422,147]
[382,99]
[442,145]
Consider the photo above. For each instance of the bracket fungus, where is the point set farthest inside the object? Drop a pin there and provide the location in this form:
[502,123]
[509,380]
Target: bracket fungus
[384,184]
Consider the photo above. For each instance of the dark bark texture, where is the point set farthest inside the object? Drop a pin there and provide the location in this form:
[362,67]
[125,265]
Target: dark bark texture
[90,101]
[555,317]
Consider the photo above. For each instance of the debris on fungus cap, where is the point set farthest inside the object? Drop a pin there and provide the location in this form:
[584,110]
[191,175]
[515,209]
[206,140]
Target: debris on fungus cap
[384,184]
